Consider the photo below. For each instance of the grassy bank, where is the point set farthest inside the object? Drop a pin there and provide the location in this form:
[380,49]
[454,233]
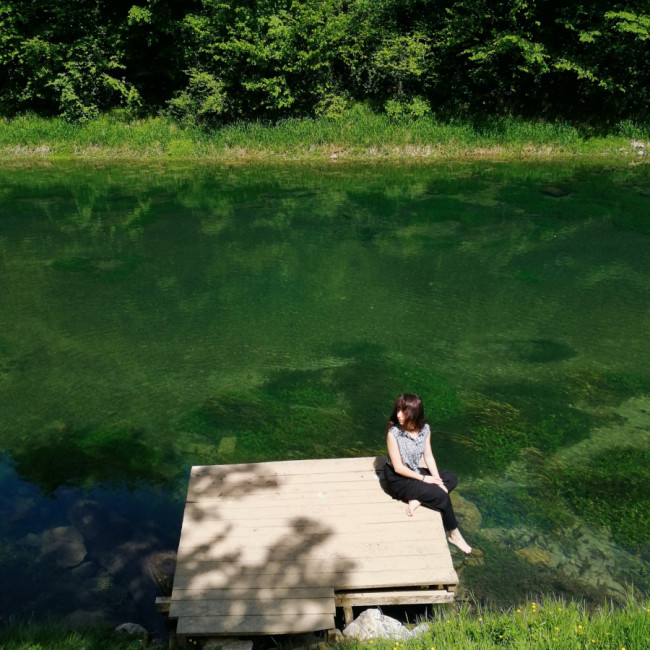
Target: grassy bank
[54,636]
[358,135]
[545,623]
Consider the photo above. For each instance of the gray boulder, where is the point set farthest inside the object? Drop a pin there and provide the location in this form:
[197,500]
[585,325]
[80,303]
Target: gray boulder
[372,624]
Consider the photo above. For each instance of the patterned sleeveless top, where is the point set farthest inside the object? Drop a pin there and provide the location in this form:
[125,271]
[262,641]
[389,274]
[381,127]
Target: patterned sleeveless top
[410,449]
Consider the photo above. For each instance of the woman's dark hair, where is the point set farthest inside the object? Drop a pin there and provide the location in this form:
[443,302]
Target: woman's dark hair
[411,404]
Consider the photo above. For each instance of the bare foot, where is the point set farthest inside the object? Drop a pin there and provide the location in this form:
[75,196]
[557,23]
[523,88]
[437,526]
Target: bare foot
[457,540]
[410,508]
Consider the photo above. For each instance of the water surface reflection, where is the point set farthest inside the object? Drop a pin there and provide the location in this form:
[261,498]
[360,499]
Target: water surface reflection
[157,317]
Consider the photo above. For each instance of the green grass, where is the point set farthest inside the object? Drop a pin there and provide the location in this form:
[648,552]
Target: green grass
[547,622]
[359,134]
[56,636]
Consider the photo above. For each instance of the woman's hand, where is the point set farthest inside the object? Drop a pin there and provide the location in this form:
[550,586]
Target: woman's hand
[435,480]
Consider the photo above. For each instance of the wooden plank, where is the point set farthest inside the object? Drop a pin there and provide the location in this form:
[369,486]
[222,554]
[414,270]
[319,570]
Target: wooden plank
[259,594]
[311,466]
[258,550]
[279,538]
[343,492]
[227,625]
[317,509]
[300,539]
[243,607]
[207,488]
[394,597]
[323,521]
[305,565]
[163,604]
[339,579]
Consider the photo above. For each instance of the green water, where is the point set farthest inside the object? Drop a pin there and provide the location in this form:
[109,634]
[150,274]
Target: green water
[158,317]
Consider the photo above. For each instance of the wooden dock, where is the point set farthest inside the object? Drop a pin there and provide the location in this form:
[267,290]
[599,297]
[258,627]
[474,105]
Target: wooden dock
[274,548]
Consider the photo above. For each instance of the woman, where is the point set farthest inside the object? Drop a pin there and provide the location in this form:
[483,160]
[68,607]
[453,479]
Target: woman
[409,439]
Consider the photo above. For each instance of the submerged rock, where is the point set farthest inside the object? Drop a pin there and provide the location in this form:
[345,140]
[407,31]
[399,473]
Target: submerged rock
[84,571]
[160,567]
[64,545]
[534,555]
[554,191]
[469,516]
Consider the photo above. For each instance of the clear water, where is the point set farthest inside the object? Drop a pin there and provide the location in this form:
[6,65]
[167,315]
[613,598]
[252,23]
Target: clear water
[157,317]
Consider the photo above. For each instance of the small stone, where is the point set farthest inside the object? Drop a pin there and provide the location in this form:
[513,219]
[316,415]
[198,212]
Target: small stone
[133,629]
[555,192]
[334,635]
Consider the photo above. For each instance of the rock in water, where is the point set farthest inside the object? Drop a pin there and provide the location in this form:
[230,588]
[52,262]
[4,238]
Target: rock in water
[554,191]
[64,544]
[534,555]
[469,516]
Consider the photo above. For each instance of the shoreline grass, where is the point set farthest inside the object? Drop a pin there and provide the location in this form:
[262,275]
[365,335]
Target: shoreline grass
[358,135]
[548,622]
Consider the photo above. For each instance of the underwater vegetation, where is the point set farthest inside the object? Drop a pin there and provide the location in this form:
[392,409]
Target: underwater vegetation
[611,491]
[88,457]
[159,317]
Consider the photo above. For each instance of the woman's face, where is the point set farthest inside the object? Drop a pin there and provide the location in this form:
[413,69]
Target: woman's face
[401,417]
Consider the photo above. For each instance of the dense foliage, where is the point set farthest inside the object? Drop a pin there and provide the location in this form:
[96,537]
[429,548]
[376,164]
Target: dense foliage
[209,60]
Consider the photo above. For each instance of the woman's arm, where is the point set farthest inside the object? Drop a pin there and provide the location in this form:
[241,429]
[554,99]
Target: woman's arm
[396,460]
[430,462]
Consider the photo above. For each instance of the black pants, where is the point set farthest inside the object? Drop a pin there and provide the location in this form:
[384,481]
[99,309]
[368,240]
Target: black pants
[429,495]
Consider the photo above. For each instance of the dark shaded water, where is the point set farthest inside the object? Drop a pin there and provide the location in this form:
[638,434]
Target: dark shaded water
[153,318]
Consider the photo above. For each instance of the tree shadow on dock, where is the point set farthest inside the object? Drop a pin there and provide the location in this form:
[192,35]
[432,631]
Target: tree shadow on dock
[250,560]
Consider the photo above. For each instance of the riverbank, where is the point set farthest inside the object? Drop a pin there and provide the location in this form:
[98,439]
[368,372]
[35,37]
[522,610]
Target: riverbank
[543,623]
[358,135]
